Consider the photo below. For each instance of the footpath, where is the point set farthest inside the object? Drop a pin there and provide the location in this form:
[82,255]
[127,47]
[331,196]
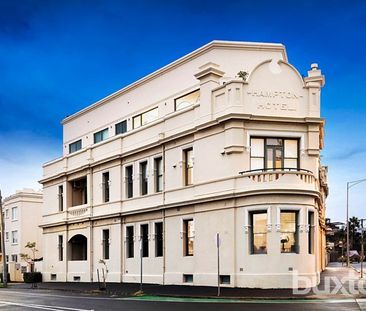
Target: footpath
[337,282]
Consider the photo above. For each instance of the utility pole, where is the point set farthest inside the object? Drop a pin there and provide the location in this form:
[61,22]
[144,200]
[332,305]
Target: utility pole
[5,268]
[362,248]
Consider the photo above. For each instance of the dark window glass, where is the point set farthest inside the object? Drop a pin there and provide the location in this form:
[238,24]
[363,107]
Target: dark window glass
[159,239]
[289,232]
[145,240]
[106,186]
[129,181]
[121,127]
[60,198]
[144,179]
[188,237]
[105,244]
[60,248]
[258,230]
[100,136]
[79,194]
[75,146]
[130,241]
[311,232]
[158,163]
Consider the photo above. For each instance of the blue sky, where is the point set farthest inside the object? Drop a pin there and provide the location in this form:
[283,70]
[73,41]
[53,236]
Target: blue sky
[57,57]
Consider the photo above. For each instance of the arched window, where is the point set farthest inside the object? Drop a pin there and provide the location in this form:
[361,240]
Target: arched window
[78,247]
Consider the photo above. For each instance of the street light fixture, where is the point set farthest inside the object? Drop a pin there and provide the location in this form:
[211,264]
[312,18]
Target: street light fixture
[350,184]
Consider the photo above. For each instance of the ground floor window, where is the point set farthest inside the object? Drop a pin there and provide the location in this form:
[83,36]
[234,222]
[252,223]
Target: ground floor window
[130,241]
[258,232]
[188,237]
[289,232]
[311,225]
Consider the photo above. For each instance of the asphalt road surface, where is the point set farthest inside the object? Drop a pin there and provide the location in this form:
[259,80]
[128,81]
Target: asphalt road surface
[59,301]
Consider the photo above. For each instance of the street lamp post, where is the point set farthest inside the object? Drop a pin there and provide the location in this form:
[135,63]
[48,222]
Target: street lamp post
[350,184]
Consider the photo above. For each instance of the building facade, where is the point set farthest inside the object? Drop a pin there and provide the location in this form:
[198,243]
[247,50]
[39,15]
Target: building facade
[22,217]
[226,140]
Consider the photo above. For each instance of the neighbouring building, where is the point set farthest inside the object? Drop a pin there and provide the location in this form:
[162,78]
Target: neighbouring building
[22,216]
[226,140]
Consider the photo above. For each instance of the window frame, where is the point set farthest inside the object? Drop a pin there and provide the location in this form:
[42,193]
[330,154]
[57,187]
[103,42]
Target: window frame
[251,231]
[311,232]
[60,198]
[282,147]
[184,95]
[60,247]
[120,127]
[130,241]
[187,238]
[140,118]
[106,244]
[106,186]
[102,138]
[144,179]
[14,213]
[159,239]
[14,241]
[159,174]
[296,233]
[144,236]
[78,146]
[186,152]
[129,180]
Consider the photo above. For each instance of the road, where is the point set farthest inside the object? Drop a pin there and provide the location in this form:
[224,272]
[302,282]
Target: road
[58,301]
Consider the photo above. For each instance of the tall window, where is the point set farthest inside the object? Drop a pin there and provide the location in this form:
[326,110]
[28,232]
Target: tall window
[14,258]
[311,224]
[60,248]
[158,168]
[75,146]
[105,243]
[187,100]
[14,213]
[274,153]
[145,118]
[14,237]
[188,237]
[130,241]
[100,136]
[6,236]
[145,240]
[121,127]
[79,193]
[60,198]
[289,232]
[129,181]
[143,180]
[105,178]
[7,213]
[258,232]
[188,166]
[158,239]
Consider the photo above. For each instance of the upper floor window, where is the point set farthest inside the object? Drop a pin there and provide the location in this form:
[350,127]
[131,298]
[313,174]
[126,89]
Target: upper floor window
[158,168]
[14,213]
[258,232]
[121,127]
[75,146]
[187,100]
[145,118]
[274,153]
[129,181]
[105,184]
[100,136]
[60,198]
[79,193]
[7,213]
[144,179]
[14,237]
[289,232]
[188,166]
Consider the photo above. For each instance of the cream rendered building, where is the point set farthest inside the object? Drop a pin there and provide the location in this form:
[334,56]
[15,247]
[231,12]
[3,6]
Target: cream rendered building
[224,140]
[22,216]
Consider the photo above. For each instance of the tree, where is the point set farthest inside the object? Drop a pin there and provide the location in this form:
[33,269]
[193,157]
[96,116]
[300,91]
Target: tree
[30,259]
[354,225]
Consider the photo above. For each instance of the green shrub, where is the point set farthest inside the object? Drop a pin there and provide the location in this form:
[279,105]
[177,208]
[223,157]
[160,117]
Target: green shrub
[32,277]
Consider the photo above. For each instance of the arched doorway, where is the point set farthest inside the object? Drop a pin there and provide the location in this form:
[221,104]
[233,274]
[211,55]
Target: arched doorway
[78,247]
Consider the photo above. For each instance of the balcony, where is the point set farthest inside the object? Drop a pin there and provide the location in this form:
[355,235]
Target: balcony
[283,180]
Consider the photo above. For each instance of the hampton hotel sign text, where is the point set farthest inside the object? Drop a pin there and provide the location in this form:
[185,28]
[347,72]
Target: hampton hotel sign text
[275,100]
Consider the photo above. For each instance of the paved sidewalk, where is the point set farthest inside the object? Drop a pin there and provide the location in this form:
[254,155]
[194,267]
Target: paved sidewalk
[336,282]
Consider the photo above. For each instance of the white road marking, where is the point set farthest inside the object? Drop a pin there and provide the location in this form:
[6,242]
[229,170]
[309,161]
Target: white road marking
[43,307]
